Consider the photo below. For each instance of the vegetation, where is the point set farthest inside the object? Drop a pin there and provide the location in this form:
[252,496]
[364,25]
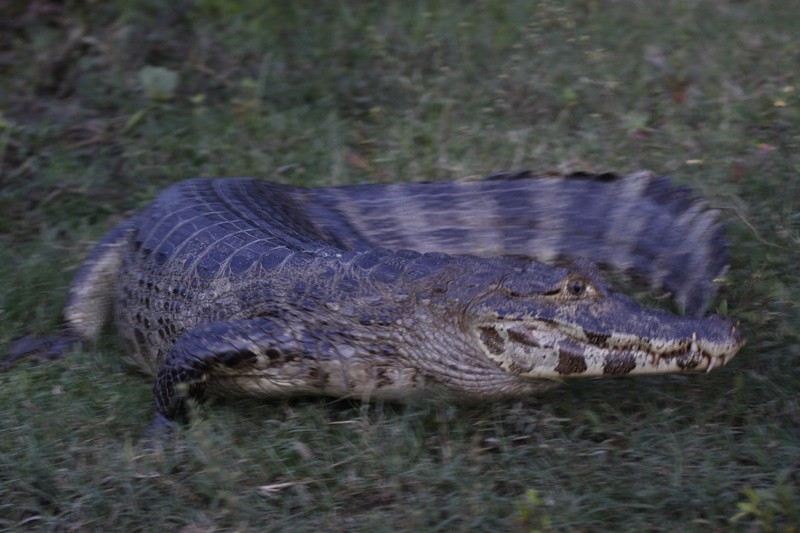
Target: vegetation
[104,103]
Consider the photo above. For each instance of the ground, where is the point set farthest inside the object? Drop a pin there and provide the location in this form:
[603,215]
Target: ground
[104,103]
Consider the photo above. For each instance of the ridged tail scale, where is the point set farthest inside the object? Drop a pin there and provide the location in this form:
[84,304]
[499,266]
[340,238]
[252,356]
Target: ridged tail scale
[641,225]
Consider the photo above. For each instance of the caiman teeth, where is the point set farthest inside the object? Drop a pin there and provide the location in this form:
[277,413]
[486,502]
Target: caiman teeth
[712,362]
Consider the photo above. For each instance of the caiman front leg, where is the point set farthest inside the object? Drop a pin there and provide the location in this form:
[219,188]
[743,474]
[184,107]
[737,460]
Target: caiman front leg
[214,351]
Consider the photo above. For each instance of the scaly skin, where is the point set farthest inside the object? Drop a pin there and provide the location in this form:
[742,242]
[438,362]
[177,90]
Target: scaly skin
[240,286]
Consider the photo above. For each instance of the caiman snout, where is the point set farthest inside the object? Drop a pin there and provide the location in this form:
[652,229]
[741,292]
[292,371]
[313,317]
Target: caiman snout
[720,342]
[610,336]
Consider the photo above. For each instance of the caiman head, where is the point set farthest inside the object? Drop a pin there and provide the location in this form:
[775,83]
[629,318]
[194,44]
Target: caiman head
[545,322]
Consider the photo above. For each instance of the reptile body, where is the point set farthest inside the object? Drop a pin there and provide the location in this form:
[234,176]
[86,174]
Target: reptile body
[243,286]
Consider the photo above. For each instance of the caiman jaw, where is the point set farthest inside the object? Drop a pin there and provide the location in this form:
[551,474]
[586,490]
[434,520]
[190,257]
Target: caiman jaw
[546,349]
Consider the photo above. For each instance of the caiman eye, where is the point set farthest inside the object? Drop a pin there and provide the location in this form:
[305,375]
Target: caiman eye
[576,287]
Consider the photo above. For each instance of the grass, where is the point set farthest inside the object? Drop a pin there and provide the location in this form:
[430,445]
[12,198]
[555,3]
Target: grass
[104,103]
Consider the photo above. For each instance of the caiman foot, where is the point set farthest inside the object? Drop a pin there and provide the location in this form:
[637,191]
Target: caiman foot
[158,433]
[199,354]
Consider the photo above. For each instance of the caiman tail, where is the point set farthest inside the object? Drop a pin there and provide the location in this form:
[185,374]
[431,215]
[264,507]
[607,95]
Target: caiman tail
[640,225]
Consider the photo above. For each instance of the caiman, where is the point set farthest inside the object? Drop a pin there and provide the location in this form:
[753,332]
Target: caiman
[244,286]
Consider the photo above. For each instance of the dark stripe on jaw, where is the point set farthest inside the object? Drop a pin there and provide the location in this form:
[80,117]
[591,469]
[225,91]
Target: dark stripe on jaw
[515,368]
[598,339]
[492,340]
[570,359]
[619,365]
[521,338]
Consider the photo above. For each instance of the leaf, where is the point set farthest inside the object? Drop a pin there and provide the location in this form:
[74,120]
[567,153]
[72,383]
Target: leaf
[158,83]
[134,120]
